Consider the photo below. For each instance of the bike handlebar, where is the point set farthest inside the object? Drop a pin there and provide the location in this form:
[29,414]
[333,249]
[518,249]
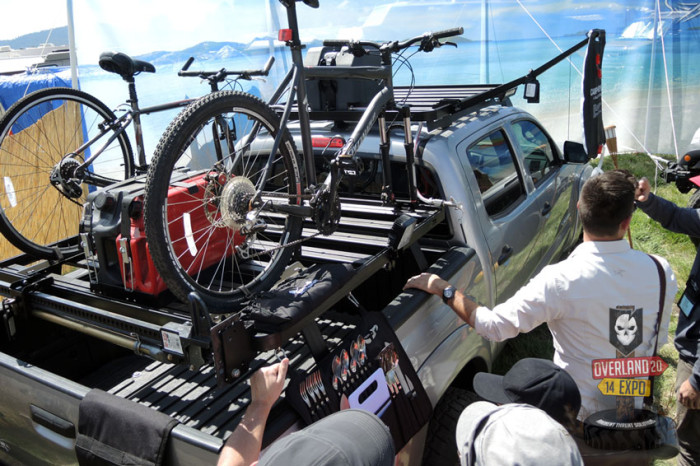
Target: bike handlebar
[187,64]
[427,41]
[219,75]
[445,33]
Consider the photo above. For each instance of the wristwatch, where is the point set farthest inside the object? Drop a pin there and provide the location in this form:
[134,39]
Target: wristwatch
[448,293]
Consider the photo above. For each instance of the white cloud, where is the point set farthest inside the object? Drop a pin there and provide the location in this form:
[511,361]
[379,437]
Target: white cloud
[593,17]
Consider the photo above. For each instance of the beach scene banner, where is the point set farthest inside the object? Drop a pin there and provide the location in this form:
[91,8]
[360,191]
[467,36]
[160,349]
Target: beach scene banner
[650,71]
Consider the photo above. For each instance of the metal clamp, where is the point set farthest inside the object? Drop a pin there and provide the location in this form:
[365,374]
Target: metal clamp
[8,317]
[125,254]
[90,258]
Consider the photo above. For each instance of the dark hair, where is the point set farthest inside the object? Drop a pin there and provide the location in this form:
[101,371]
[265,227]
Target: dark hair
[607,200]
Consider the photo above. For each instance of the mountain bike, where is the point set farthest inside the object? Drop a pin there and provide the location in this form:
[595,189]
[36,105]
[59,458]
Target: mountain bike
[226,193]
[59,144]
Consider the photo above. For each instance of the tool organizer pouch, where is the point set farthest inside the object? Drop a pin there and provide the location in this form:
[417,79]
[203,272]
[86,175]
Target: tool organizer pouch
[368,370]
[115,431]
[291,299]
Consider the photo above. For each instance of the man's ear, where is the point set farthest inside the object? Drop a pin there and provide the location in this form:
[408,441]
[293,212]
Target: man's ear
[625,224]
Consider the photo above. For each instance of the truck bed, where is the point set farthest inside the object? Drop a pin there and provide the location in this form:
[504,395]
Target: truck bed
[112,341]
[193,397]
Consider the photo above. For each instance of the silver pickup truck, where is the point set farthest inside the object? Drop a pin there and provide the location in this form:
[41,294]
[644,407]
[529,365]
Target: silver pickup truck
[513,210]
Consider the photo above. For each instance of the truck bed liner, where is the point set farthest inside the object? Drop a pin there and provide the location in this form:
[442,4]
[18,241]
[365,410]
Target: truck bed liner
[162,381]
[193,397]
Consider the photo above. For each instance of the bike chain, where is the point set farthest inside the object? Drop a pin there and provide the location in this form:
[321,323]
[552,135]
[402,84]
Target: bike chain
[291,244]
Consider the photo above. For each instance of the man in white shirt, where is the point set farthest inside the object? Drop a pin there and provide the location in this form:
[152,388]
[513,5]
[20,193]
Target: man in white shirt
[602,302]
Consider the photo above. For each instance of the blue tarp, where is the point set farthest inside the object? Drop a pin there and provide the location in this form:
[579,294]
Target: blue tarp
[13,87]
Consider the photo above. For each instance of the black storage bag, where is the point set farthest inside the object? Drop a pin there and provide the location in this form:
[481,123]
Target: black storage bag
[116,431]
[293,298]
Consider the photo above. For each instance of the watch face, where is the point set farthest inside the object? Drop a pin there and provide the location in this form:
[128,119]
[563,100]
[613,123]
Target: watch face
[448,293]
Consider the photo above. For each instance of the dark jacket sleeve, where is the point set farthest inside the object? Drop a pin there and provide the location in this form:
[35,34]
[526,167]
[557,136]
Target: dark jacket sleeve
[677,219]
[695,376]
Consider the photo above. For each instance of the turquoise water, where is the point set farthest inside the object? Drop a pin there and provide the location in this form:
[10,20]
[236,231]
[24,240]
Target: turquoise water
[642,112]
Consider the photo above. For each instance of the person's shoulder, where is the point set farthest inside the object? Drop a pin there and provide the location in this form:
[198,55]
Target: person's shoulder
[665,264]
[660,259]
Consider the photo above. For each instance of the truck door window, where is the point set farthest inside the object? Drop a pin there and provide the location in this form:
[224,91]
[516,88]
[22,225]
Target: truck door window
[536,147]
[493,164]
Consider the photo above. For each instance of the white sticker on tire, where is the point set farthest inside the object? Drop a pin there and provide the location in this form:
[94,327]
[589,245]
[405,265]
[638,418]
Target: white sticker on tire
[189,237]
[10,191]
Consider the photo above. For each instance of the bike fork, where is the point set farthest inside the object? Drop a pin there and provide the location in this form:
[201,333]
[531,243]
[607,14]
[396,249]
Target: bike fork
[410,160]
[384,146]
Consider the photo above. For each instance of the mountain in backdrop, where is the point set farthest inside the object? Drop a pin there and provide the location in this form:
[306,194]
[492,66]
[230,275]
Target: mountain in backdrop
[208,50]
[57,36]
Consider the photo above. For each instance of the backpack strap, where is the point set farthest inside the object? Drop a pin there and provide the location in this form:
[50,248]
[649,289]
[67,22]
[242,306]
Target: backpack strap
[649,400]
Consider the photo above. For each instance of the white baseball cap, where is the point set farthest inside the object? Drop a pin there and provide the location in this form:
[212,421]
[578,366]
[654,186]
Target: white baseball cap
[510,434]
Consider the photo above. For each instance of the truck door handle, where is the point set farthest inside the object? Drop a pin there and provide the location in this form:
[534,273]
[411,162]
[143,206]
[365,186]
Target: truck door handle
[52,422]
[546,209]
[506,252]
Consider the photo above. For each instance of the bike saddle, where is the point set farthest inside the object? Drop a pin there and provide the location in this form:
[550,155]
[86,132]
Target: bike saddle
[124,65]
[311,3]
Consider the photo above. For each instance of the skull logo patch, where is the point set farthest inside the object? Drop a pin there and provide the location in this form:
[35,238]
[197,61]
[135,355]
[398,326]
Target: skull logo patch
[625,329]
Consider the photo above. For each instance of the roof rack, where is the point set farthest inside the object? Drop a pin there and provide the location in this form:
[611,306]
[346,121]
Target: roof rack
[435,105]
[439,106]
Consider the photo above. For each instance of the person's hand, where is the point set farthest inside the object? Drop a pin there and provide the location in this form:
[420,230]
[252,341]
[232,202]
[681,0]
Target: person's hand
[242,448]
[641,194]
[688,396]
[427,282]
[266,383]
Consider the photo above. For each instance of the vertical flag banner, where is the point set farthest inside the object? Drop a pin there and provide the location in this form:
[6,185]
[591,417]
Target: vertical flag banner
[593,129]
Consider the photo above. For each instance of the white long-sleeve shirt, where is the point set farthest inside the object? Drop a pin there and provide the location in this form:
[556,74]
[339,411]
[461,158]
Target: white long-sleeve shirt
[594,302]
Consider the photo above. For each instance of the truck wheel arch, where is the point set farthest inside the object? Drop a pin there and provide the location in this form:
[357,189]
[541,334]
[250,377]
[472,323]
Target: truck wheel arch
[440,446]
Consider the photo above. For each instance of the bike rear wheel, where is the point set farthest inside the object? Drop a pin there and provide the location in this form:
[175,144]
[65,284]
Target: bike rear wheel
[36,135]
[208,215]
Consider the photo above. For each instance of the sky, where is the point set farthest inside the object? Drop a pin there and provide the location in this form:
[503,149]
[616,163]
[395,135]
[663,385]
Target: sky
[23,17]
[143,26]
[180,20]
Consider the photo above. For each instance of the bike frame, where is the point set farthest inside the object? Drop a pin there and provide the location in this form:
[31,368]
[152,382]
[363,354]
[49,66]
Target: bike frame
[121,123]
[293,84]
[118,126]
[133,113]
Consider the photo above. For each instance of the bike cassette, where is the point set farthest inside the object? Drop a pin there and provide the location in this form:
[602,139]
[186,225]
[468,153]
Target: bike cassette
[235,202]
[63,178]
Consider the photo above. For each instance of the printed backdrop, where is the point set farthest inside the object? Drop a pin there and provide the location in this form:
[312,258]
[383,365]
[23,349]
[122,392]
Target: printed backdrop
[651,67]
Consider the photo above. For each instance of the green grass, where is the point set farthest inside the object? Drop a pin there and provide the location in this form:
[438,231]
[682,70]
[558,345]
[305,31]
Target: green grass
[648,236]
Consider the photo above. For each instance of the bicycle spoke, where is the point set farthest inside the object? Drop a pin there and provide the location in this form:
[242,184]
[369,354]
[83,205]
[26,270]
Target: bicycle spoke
[205,179]
[42,199]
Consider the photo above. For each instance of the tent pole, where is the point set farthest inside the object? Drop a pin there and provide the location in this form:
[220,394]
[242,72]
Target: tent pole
[71,46]
[484,70]
[650,85]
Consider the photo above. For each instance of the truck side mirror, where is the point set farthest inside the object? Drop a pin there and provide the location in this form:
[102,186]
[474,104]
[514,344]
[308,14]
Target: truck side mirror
[574,152]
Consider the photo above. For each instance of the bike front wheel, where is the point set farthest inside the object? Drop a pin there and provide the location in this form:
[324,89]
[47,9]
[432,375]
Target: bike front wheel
[211,192]
[43,189]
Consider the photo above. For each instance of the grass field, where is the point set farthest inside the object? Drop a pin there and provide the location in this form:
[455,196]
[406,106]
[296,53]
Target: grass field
[648,236]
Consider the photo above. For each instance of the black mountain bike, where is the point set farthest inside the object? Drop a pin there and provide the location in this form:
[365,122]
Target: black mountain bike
[59,144]
[226,193]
